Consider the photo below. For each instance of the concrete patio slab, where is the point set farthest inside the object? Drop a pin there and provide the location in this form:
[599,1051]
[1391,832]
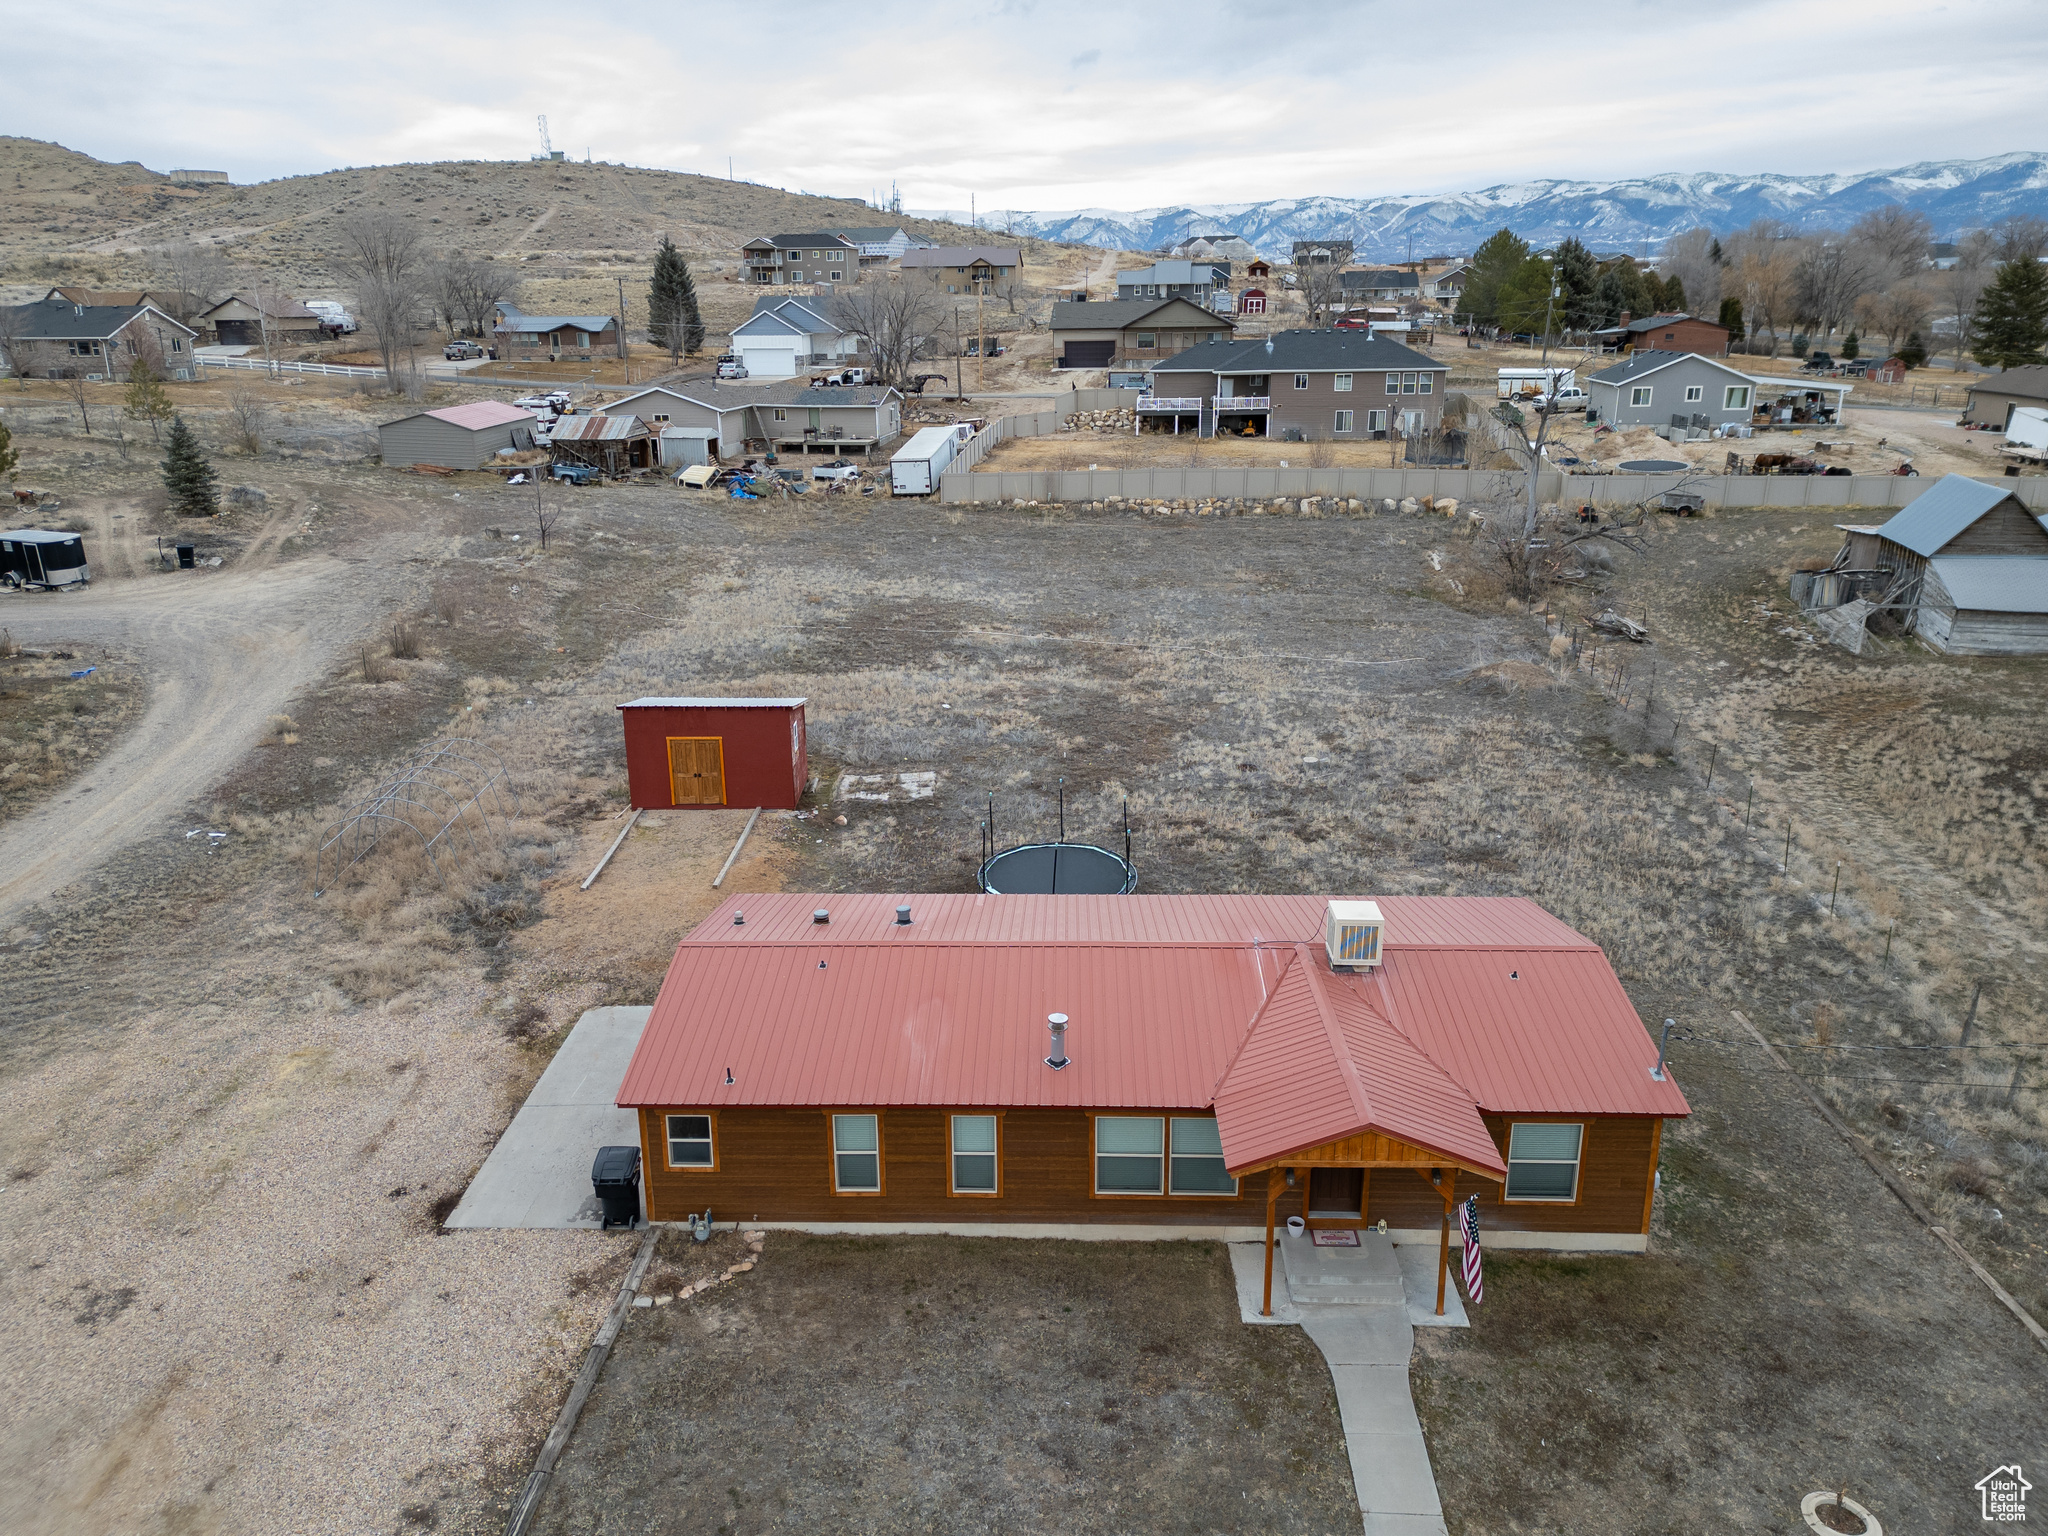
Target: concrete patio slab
[1248,1268]
[1418,1279]
[538,1176]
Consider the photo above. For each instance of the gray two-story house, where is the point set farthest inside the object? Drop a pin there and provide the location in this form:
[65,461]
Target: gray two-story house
[1671,389]
[1339,385]
[1199,282]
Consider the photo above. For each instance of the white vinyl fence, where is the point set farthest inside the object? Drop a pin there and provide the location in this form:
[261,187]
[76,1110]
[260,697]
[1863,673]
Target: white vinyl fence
[258,365]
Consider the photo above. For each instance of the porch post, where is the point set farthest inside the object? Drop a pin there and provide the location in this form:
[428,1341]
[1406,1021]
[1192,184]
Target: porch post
[1443,1251]
[1273,1180]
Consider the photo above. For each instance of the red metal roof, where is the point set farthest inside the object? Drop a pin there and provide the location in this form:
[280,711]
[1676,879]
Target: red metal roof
[478,414]
[1323,1062]
[1481,1004]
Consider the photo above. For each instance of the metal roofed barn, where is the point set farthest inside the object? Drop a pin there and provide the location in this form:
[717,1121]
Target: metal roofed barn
[684,752]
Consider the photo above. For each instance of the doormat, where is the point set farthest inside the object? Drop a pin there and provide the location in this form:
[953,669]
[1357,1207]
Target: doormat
[1335,1239]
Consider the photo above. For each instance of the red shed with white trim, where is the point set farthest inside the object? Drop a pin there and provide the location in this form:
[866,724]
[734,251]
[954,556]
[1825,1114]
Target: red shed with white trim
[684,753]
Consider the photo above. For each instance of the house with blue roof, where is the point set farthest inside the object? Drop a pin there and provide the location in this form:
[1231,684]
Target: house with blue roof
[1965,565]
[784,335]
[529,338]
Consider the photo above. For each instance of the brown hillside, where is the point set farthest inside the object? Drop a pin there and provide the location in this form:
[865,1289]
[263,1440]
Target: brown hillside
[82,219]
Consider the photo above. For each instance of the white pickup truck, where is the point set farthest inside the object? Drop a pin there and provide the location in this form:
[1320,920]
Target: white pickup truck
[1568,398]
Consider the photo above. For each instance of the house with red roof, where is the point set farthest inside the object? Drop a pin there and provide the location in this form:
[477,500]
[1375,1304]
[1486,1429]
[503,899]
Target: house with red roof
[1150,1066]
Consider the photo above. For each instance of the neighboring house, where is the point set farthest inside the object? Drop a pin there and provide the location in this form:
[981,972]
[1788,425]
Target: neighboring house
[1995,396]
[966,268]
[1967,560]
[1120,331]
[1226,1063]
[1218,246]
[1446,288]
[242,320]
[1664,388]
[457,436]
[1258,269]
[172,301]
[528,338]
[57,340]
[1322,253]
[784,336]
[1667,333]
[790,414]
[1199,282]
[1252,302]
[1942,255]
[1327,384]
[822,257]
[1377,287]
[878,247]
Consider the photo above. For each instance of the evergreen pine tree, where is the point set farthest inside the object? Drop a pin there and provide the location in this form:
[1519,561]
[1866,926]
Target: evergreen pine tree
[2012,316]
[1610,298]
[1851,346]
[1731,317]
[1674,294]
[1499,258]
[1914,353]
[1578,275]
[187,475]
[672,311]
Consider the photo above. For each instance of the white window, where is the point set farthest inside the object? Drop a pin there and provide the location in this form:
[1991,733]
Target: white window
[583,340]
[1343,421]
[1301,381]
[1146,340]
[1736,399]
[689,1141]
[857,1154]
[1129,1155]
[1393,383]
[1342,384]
[1197,1162]
[1424,387]
[1639,394]
[1695,393]
[835,277]
[1543,1161]
[1407,383]
[782,415]
[974,1155]
[1375,421]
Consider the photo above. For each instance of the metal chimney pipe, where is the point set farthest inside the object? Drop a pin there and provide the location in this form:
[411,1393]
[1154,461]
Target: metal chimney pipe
[1057,1024]
[903,917]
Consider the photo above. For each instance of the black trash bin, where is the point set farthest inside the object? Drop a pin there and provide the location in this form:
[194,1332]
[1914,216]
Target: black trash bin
[615,1176]
[188,557]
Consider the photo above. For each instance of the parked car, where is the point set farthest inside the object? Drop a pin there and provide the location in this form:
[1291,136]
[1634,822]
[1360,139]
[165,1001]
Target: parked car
[577,474]
[461,351]
[1818,362]
[731,370]
[838,469]
[844,376]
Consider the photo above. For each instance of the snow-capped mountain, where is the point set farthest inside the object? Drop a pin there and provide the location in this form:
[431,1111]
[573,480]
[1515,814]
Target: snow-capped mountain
[1633,215]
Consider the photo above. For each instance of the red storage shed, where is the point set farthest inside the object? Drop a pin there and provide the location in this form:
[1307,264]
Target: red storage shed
[715,752]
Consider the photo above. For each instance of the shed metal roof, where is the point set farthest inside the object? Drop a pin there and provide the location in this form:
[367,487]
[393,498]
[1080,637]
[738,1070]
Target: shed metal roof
[1931,520]
[598,429]
[1995,583]
[653,703]
[1482,1004]
[477,415]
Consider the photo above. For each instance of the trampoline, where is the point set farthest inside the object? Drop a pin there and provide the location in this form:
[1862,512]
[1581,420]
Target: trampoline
[1655,466]
[1055,868]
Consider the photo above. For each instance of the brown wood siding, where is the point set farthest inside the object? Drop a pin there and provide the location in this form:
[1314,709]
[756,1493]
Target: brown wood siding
[775,1165]
[2007,529]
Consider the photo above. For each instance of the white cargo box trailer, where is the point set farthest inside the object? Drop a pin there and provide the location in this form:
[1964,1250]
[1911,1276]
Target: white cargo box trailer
[2026,434]
[1515,383]
[915,468]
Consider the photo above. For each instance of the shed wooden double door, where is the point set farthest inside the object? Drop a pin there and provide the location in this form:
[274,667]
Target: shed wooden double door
[696,769]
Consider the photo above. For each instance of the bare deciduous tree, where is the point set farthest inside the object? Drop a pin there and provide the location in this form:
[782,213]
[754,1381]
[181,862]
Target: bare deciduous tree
[1962,285]
[1763,257]
[893,318]
[191,275]
[2023,237]
[13,322]
[467,291]
[1320,285]
[1690,258]
[1832,275]
[1897,312]
[80,392]
[247,416]
[1895,239]
[385,261]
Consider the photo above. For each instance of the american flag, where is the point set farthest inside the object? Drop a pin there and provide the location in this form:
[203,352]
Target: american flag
[1468,1220]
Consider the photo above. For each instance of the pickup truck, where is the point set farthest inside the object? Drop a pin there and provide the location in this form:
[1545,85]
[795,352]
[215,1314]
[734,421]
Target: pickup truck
[461,351]
[576,474]
[844,376]
[838,469]
[1570,398]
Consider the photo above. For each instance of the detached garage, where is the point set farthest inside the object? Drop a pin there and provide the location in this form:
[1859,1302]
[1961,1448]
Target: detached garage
[714,753]
[457,436]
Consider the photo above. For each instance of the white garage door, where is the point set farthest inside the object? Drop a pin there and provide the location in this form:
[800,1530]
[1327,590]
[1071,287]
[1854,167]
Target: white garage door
[774,359]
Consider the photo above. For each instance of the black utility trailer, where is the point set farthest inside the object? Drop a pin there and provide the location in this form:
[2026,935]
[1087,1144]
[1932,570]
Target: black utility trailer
[35,557]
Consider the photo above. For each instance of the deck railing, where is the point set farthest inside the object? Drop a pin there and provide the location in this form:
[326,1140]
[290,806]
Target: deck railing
[1169,402]
[1242,403]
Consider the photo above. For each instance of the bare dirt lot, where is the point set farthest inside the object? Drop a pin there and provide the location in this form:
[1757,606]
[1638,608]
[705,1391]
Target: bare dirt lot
[232,1111]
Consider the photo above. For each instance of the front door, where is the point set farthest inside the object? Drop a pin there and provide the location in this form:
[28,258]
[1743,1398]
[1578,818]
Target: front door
[696,766]
[1336,1192]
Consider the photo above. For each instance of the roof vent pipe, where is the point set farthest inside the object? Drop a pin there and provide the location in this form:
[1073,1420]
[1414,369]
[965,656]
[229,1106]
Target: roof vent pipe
[1057,1023]
[739,919]
[903,917]
[821,916]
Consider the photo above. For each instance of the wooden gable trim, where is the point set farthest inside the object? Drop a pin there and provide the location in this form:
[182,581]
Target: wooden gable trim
[1366,1149]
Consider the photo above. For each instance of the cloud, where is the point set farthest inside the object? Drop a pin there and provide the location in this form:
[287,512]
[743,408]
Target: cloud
[977,106]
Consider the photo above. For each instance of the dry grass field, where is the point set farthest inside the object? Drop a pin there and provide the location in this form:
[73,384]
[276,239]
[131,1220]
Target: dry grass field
[215,1330]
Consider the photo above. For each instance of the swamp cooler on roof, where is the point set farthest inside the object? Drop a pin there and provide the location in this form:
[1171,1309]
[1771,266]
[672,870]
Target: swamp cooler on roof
[1056,868]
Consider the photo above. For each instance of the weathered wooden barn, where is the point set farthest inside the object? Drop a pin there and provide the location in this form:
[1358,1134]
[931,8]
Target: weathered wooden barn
[1964,566]
[1147,1065]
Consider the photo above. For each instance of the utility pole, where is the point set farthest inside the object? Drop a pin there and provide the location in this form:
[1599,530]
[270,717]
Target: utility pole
[980,338]
[957,394]
[624,359]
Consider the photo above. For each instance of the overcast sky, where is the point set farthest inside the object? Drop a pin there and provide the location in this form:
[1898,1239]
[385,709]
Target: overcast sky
[1046,104]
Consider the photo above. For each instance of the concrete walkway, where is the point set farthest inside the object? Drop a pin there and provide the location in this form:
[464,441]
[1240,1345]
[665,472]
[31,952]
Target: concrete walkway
[1361,1306]
[538,1176]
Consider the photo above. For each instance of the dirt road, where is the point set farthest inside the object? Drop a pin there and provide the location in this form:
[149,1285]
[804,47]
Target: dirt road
[225,652]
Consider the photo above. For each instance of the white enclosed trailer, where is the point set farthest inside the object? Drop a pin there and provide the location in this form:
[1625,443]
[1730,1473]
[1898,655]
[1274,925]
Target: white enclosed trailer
[915,468]
[2026,434]
[1525,383]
